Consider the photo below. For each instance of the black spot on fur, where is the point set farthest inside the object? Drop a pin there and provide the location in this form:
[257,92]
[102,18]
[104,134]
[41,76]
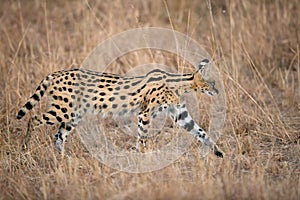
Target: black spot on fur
[160,87]
[58,118]
[56,106]
[145,122]
[69,128]
[153,90]
[126,86]
[42,93]
[183,115]
[135,83]
[132,94]
[45,117]
[28,105]
[44,86]
[219,154]
[189,126]
[36,97]
[21,113]
[154,79]
[51,112]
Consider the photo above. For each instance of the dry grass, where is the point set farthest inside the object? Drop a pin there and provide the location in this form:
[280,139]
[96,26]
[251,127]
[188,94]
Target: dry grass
[256,46]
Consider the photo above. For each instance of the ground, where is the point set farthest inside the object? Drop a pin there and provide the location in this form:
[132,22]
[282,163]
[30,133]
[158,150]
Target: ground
[255,45]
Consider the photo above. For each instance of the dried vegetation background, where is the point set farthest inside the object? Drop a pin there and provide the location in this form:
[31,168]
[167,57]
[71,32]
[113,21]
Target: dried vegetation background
[256,47]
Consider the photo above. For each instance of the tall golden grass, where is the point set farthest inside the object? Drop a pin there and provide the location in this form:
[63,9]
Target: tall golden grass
[256,47]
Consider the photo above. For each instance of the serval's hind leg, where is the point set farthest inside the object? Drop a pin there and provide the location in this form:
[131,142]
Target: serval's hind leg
[34,122]
[143,125]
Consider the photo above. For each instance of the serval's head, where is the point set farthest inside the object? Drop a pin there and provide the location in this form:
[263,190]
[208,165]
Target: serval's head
[205,86]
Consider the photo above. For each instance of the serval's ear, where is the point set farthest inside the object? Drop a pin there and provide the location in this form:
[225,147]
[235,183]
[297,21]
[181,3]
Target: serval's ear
[202,65]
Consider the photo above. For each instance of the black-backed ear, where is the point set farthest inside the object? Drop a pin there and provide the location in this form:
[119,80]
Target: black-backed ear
[202,65]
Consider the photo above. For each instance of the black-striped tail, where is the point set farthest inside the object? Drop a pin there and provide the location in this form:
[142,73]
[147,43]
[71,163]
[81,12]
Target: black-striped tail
[36,97]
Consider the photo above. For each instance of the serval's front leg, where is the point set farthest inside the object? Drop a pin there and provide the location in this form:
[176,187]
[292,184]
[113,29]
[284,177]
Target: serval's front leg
[181,116]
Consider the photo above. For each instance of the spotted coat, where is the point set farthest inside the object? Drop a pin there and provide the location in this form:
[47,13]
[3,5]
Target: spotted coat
[75,92]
